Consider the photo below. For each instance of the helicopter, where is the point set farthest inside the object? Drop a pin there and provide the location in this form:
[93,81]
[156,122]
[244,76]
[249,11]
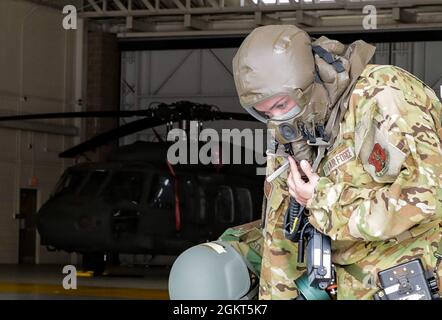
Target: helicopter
[136,201]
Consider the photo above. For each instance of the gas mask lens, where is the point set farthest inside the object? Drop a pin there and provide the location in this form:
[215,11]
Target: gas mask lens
[288,132]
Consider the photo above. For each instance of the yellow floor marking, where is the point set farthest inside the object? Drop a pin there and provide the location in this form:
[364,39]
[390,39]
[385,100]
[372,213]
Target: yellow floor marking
[84,291]
[85,274]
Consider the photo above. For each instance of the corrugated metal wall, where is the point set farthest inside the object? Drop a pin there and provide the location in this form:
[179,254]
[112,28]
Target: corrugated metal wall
[420,58]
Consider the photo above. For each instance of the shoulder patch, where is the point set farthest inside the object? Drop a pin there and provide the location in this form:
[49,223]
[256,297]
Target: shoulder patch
[379,159]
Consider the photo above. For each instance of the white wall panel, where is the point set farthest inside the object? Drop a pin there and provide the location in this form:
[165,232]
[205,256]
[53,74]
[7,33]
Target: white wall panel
[8,147]
[8,226]
[36,76]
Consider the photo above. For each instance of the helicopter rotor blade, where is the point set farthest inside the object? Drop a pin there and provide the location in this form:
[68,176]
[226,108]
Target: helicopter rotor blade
[234,116]
[157,135]
[119,132]
[80,114]
[154,118]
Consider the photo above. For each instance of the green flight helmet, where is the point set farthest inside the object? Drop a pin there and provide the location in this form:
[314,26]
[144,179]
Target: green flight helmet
[211,271]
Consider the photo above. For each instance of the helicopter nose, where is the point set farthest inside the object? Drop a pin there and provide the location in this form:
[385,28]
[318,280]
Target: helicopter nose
[87,222]
[64,225]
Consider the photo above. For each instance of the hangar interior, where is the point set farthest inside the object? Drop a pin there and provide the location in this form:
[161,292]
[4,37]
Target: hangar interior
[125,55]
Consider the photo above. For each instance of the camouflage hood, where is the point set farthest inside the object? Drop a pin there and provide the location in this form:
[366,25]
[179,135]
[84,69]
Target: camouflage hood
[283,59]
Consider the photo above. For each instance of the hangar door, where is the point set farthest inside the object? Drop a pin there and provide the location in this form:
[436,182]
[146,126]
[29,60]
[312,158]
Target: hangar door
[197,75]
[205,76]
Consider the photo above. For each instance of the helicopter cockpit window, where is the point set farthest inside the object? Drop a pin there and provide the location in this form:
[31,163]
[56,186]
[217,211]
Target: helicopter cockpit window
[70,182]
[162,193]
[94,182]
[224,204]
[125,186]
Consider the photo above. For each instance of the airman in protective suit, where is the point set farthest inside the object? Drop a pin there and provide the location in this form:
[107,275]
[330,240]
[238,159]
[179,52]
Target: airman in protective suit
[372,134]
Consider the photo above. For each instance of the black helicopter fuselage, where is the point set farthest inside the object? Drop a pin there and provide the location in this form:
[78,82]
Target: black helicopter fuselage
[138,203]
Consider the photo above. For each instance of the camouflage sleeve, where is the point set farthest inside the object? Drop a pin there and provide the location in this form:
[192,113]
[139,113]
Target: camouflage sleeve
[397,144]
[247,240]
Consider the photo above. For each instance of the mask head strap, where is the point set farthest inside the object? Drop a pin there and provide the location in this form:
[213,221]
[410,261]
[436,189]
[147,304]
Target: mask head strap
[328,57]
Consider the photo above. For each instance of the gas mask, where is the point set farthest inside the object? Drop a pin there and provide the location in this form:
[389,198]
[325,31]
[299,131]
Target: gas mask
[283,60]
[302,126]
[300,129]
[294,135]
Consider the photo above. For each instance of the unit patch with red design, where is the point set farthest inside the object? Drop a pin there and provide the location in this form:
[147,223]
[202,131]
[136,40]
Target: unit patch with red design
[379,159]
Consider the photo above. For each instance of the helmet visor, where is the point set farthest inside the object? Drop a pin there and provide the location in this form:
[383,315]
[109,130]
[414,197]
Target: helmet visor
[280,107]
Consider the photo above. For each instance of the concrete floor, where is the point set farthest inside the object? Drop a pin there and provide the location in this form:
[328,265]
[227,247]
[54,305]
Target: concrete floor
[35,282]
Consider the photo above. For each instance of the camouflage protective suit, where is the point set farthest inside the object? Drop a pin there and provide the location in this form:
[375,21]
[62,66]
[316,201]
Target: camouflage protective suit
[248,241]
[379,197]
